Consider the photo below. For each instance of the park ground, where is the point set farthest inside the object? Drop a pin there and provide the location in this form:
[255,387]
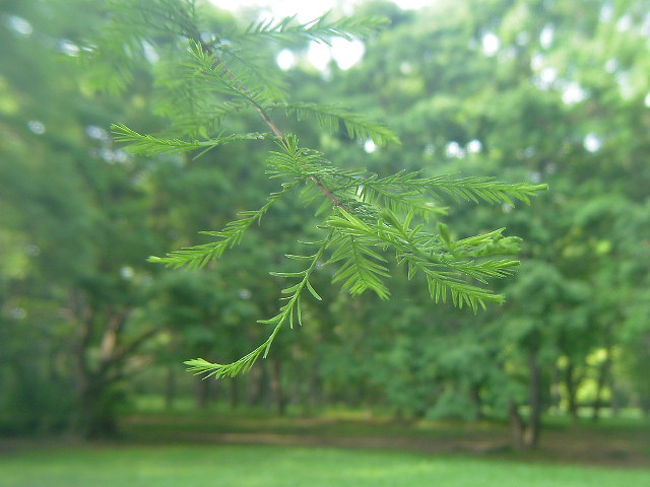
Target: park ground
[222,449]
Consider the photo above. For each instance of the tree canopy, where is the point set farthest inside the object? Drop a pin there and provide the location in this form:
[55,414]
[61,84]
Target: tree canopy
[379,167]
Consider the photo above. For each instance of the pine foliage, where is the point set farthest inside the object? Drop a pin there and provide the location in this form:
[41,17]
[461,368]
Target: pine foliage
[322,29]
[150,145]
[199,256]
[330,117]
[370,223]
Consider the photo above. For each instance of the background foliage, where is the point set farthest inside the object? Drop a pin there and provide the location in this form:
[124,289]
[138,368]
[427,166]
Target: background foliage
[545,92]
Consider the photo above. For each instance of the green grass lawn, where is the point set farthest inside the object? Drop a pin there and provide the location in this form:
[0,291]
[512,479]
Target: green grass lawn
[271,466]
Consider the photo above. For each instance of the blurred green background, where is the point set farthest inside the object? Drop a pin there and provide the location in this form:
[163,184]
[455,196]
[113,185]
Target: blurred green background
[368,392]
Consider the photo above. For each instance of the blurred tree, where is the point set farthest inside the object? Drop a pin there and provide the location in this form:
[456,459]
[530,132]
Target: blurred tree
[69,197]
[524,90]
[527,90]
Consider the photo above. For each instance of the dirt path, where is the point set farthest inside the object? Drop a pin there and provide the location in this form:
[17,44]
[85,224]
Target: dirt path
[573,446]
[585,445]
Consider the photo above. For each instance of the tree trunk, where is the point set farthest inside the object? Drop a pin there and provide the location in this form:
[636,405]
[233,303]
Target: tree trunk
[234,393]
[97,415]
[276,386]
[617,399]
[170,388]
[97,390]
[603,374]
[531,439]
[315,388]
[202,393]
[475,396]
[570,385]
[259,386]
[518,426]
[645,407]
[526,434]
[299,394]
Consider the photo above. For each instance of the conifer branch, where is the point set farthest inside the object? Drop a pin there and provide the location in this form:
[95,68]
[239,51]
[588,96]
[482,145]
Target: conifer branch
[199,256]
[246,66]
[477,188]
[474,188]
[362,269]
[150,145]
[421,252]
[330,117]
[321,29]
[368,216]
[290,312]
[398,201]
